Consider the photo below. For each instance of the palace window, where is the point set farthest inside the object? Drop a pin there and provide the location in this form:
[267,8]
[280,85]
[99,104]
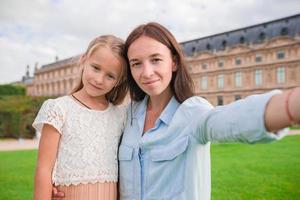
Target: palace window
[238,61]
[262,37]
[220,63]
[258,58]
[237,97]
[204,82]
[220,100]
[284,31]
[280,55]
[258,77]
[242,40]
[220,81]
[208,47]
[280,75]
[238,79]
[224,45]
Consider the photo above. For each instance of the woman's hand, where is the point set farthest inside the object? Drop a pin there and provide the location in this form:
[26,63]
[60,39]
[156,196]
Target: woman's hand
[283,110]
[56,194]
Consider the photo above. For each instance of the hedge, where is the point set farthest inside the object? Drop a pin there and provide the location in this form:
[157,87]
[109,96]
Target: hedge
[17,114]
[9,89]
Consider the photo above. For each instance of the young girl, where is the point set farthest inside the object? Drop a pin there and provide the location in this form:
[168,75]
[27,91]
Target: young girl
[80,132]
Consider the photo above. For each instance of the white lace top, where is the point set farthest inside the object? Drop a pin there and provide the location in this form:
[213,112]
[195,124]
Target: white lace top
[88,146]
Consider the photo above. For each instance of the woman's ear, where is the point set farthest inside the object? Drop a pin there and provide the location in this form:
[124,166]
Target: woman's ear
[174,64]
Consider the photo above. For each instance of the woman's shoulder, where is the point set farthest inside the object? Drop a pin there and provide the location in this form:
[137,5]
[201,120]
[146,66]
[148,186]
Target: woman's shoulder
[196,101]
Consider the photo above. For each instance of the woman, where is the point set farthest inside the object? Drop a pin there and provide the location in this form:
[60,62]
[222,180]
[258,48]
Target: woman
[164,153]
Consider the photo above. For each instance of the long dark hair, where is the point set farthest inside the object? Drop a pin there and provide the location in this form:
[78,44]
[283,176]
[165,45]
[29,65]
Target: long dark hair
[181,84]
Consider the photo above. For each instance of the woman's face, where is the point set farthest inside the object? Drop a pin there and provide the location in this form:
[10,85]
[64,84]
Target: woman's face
[151,65]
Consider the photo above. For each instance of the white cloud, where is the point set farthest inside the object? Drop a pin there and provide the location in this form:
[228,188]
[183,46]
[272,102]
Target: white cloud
[38,30]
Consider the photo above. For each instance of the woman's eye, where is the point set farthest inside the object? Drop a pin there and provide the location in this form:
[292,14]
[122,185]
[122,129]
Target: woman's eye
[156,60]
[135,64]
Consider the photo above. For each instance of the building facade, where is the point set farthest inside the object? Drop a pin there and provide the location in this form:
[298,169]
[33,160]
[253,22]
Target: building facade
[232,65]
[57,78]
[225,67]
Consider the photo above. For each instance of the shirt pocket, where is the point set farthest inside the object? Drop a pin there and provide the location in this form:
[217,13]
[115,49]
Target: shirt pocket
[166,170]
[127,169]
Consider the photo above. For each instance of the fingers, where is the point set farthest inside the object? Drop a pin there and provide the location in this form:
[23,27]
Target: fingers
[56,193]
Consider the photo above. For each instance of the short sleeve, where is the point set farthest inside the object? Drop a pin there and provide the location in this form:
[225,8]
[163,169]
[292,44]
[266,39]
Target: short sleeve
[50,113]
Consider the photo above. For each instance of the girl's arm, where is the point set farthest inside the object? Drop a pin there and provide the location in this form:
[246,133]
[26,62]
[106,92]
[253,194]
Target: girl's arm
[46,159]
[283,110]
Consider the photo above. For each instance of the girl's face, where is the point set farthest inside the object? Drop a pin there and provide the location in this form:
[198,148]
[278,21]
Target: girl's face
[101,72]
[151,65]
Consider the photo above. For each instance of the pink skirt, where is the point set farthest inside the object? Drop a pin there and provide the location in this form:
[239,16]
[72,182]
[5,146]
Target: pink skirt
[96,191]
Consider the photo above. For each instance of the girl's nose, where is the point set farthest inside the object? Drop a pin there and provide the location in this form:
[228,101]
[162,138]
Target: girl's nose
[99,78]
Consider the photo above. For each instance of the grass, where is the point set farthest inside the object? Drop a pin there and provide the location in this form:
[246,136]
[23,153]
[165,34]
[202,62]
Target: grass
[16,174]
[239,171]
[262,171]
[295,127]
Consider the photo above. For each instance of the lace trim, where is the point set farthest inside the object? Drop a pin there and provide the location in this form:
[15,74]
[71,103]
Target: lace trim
[84,181]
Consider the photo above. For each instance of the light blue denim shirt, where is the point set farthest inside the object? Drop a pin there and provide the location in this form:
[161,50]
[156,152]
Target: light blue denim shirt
[171,161]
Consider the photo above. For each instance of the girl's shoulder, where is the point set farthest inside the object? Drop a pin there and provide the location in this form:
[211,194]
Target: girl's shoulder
[59,101]
[119,109]
[52,112]
[59,104]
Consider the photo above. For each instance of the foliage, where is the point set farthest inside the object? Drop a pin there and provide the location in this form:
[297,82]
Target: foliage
[10,89]
[17,114]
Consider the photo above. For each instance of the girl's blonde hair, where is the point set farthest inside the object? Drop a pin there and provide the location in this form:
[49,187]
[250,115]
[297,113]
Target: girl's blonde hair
[116,45]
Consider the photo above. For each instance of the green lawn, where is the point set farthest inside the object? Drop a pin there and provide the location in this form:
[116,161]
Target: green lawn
[16,174]
[239,171]
[261,171]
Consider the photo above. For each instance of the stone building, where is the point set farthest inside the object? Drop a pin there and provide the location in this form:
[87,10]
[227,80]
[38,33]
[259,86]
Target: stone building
[228,66]
[225,67]
[56,79]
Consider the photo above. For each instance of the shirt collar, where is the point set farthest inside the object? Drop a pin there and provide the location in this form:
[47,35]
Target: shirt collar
[169,111]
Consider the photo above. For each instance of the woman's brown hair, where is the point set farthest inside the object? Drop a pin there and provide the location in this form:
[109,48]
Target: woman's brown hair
[181,83]
[116,45]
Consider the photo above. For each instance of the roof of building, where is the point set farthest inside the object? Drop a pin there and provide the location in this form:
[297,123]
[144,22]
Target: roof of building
[288,26]
[61,63]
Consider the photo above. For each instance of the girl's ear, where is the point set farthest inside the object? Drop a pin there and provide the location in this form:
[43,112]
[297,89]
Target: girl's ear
[82,59]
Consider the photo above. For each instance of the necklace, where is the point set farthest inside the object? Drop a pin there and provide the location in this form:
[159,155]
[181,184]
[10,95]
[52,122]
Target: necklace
[81,102]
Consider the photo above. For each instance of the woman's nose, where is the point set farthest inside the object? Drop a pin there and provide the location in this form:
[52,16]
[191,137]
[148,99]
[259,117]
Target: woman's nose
[148,70]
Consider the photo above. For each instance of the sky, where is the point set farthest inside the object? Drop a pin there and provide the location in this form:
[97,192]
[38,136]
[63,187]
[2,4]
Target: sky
[36,31]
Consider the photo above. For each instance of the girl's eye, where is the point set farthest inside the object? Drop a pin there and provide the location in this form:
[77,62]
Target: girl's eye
[95,67]
[111,77]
